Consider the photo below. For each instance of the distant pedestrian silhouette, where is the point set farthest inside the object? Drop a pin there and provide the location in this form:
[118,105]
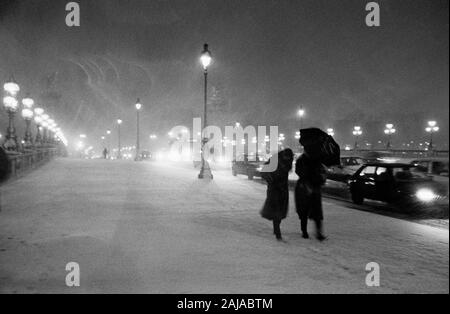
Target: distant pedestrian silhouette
[105,153]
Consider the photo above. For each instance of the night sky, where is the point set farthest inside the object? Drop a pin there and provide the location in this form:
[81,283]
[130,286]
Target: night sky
[270,57]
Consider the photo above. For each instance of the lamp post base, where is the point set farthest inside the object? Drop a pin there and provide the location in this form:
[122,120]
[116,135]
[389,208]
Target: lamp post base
[205,172]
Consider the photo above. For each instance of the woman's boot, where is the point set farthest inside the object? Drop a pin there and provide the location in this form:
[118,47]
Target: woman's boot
[277,229]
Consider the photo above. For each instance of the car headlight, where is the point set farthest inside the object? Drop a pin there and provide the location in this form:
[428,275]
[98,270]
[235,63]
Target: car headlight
[259,168]
[426,195]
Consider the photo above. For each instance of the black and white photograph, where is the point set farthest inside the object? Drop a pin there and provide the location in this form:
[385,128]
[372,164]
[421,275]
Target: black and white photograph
[224,153]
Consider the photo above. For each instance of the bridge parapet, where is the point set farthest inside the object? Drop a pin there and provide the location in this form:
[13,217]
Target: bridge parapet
[13,164]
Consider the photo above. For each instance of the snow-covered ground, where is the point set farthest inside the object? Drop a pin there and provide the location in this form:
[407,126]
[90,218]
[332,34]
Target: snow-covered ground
[156,228]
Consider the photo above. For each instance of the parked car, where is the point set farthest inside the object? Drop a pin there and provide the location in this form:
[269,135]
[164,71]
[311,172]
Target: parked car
[349,165]
[146,155]
[394,183]
[242,165]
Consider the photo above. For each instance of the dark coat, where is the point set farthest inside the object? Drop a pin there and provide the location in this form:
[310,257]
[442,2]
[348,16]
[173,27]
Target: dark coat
[277,201]
[5,166]
[308,194]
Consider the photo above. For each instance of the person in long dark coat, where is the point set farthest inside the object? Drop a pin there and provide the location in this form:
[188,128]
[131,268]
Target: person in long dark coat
[5,165]
[308,194]
[277,202]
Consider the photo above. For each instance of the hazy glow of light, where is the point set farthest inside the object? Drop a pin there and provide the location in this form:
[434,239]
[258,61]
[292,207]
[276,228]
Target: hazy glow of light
[119,121]
[10,103]
[425,195]
[38,111]
[206,59]
[12,88]
[27,114]
[138,106]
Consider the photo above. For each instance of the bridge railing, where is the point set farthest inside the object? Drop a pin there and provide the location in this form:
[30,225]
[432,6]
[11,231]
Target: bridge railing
[23,162]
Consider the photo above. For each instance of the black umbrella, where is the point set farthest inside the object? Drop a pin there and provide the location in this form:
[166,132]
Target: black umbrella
[320,146]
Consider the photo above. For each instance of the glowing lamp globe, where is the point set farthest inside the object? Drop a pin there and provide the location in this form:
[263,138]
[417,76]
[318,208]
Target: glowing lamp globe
[10,103]
[27,114]
[205,58]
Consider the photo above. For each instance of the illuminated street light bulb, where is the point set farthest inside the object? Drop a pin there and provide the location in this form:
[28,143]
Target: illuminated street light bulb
[330,131]
[432,123]
[301,112]
[205,58]
[119,121]
[108,132]
[37,119]
[38,111]
[357,131]
[10,103]
[11,87]
[103,138]
[138,105]
[28,102]
[27,114]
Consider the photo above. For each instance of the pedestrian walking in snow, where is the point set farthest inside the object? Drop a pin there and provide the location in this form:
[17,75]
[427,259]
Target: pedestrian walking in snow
[320,150]
[308,194]
[277,203]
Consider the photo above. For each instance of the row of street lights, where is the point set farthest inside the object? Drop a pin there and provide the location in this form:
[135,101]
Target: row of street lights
[51,131]
[358,132]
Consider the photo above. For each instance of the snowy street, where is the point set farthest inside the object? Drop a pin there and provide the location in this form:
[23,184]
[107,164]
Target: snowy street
[155,228]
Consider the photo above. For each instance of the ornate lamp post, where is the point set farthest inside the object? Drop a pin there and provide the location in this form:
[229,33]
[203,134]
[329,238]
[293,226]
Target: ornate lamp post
[44,125]
[38,112]
[138,144]
[357,132]
[205,59]
[119,151]
[432,128]
[389,131]
[10,103]
[27,115]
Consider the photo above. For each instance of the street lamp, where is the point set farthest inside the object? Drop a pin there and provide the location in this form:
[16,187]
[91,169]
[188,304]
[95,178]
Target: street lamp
[38,112]
[138,109]
[10,103]
[357,132]
[27,115]
[119,151]
[205,59]
[44,125]
[301,113]
[389,131]
[432,128]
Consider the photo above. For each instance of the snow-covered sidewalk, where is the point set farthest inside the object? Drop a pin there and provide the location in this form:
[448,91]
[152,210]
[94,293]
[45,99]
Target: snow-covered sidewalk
[156,228]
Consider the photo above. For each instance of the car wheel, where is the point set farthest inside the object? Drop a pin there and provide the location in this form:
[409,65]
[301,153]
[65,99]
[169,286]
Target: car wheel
[357,197]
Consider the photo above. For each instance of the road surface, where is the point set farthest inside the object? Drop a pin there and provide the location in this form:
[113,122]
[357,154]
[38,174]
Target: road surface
[155,228]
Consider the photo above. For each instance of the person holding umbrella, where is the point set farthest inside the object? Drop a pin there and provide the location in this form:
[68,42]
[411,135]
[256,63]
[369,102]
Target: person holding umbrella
[277,202]
[320,150]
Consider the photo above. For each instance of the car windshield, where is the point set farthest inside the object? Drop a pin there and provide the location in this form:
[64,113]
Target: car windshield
[351,161]
[408,173]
